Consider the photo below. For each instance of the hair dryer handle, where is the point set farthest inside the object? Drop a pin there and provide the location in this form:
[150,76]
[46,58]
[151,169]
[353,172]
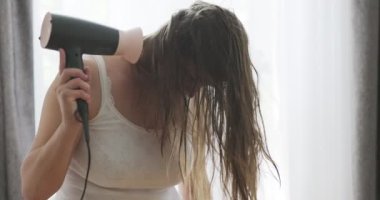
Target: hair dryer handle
[74,60]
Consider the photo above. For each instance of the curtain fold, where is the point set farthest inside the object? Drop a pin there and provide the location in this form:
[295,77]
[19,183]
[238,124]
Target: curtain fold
[16,92]
[378,111]
[366,37]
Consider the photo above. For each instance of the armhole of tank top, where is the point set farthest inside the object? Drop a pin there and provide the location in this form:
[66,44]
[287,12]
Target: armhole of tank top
[103,80]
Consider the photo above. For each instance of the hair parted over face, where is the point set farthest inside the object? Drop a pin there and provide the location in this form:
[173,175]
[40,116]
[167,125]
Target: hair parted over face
[202,75]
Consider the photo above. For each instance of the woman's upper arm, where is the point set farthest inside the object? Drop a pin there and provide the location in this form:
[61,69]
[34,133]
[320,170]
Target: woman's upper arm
[50,116]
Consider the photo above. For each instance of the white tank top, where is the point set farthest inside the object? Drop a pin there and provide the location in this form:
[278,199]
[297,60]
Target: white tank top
[126,160]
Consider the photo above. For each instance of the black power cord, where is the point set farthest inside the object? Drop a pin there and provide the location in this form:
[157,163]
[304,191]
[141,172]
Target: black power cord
[83,113]
[88,169]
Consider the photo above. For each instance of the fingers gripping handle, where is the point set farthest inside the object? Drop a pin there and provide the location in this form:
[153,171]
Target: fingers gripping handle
[74,60]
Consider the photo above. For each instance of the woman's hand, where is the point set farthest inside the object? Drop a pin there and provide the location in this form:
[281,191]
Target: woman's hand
[73,84]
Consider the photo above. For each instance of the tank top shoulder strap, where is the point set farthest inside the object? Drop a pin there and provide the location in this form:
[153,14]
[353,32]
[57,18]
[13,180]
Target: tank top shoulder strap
[102,74]
[105,82]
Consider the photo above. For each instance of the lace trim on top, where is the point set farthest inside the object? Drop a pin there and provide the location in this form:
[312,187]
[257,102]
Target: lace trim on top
[108,88]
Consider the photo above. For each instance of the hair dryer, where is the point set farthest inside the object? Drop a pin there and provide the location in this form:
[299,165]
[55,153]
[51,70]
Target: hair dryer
[79,37]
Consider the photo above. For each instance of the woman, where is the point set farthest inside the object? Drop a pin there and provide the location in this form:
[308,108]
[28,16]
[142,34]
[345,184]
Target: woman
[191,96]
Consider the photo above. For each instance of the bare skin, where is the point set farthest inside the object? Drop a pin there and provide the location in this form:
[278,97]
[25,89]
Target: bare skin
[59,132]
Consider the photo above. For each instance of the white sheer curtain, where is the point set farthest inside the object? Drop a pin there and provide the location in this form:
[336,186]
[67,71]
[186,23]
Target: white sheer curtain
[327,64]
[305,52]
[317,97]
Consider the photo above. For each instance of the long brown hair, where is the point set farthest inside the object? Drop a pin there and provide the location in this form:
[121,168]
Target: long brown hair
[206,47]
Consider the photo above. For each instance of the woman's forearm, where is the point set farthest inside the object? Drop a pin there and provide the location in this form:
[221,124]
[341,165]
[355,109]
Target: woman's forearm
[44,169]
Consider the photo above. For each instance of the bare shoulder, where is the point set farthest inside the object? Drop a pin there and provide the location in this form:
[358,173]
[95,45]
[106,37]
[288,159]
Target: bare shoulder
[118,71]
[115,65]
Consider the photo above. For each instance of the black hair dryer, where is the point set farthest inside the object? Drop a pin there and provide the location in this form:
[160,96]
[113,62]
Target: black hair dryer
[78,37]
